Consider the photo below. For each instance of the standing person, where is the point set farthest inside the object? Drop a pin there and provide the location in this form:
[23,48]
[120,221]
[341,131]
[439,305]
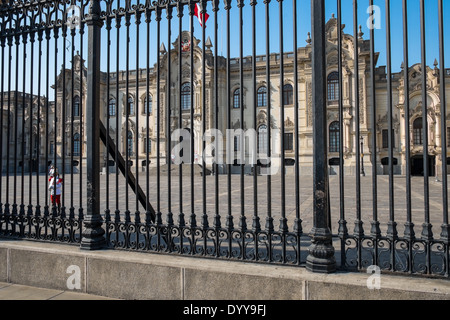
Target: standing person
[51,171]
[55,187]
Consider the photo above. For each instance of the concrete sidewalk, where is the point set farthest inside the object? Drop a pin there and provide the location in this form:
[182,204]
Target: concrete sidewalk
[10,291]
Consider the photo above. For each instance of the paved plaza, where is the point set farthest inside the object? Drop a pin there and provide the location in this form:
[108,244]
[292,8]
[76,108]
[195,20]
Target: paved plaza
[119,193]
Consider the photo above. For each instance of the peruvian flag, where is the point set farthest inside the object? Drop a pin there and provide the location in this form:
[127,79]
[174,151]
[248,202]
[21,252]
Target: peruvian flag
[199,15]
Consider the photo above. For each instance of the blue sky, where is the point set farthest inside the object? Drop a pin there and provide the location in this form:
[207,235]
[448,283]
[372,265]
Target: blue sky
[304,26]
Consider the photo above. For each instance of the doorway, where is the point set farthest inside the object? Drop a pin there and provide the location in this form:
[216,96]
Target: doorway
[417,166]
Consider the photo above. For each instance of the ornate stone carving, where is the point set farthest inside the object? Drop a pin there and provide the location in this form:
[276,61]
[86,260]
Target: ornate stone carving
[309,112]
[288,123]
[362,107]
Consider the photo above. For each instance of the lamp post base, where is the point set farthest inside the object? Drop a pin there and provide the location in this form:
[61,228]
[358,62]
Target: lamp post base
[321,252]
[93,235]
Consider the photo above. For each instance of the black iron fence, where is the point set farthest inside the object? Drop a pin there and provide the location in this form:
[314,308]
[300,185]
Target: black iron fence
[208,129]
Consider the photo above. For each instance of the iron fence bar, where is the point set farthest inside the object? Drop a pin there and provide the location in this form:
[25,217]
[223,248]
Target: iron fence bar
[147,21]
[229,220]
[205,223]
[158,117]
[137,215]
[118,20]
[16,121]
[321,252]
[47,121]
[283,220]
[392,225]
[283,227]
[181,219]
[93,233]
[192,219]
[298,222]
[38,136]
[72,119]
[81,210]
[2,101]
[55,117]
[342,231]
[358,230]
[242,218]
[169,217]
[256,227]
[30,149]
[62,212]
[427,233]
[297,229]
[107,211]
[8,135]
[269,219]
[375,224]
[22,142]
[30,137]
[445,228]
[409,233]
[128,101]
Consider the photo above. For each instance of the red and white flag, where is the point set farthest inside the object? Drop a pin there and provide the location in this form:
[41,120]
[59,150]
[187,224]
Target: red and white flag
[199,15]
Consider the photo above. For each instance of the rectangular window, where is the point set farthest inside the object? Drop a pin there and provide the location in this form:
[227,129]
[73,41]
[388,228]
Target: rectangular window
[147,145]
[417,136]
[112,108]
[448,136]
[149,105]
[385,137]
[334,142]
[237,141]
[76,148]
[288,141]
[333,91]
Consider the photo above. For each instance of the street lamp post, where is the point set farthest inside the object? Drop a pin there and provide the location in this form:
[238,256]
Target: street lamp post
[362,157]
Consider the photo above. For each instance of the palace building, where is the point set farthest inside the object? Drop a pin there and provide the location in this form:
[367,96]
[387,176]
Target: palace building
[131,131]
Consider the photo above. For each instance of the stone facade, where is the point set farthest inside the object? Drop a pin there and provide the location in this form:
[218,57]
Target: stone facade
[131,131]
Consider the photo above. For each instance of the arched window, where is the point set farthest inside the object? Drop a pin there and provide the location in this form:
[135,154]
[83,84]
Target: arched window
[76,106]
[333,86]
[186,96]
[262,97]
[288,94]
[76,144]
[334,137]
[418,132]
[237,99]
[148,104]
[130,106]
[112,107]
[130,143]
[262,139]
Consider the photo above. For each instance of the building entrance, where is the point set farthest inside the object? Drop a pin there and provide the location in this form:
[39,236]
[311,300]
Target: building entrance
[417,165]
